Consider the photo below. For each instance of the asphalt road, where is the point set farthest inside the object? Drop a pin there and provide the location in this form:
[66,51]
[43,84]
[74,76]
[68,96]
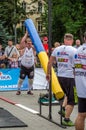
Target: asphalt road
[26,108]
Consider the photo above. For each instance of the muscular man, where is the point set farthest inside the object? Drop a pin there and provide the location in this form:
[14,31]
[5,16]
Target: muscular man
[64,58]
[80,80]
[27,63]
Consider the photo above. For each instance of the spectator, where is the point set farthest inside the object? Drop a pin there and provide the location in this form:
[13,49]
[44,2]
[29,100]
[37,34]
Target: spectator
[17,46]
[77,43]
[27,63]
[56,44]
[80,80]
[64,58]
[2,62]
[20,53]
[13,61]
[9,50]
[45,44]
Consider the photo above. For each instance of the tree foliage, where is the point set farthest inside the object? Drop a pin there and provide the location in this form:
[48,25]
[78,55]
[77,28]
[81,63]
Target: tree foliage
[68,16]
[4,35]
[73,17]
[11,12]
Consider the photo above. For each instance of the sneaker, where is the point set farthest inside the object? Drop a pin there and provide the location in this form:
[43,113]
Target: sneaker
[67,123]
[62,113]
[29,92]
[18,93]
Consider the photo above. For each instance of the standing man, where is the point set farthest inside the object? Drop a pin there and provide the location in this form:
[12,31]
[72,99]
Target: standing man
[77,43]
[27,63]
[80,79]
[2,63]
[9,51]
[64,58]
[45,44]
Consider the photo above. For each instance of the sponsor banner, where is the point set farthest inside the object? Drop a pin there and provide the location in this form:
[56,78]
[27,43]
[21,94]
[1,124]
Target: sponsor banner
[9,79]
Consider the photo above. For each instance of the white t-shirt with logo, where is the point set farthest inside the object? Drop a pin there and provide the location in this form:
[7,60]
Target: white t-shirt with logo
[64,58]
[28,58]
[80,71]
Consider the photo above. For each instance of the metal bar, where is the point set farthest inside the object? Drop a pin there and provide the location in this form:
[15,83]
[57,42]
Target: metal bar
[50,39]
[62,126]
[15,31]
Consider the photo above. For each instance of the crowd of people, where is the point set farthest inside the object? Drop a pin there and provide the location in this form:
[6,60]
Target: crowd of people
[70,63]
[10,56]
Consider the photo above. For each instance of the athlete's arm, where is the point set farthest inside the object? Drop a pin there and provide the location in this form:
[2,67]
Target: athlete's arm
[23,40]
[49,66]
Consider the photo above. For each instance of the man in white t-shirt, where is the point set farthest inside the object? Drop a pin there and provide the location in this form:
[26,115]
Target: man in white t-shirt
[64,58]
[27,63]
[80,80]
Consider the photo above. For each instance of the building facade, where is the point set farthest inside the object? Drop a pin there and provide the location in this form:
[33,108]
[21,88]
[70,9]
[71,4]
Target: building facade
[34,11]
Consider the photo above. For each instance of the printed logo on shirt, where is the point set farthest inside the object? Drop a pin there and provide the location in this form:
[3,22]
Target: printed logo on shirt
[80,56]
[63,65]
[28,56]
[62,60]
[76,56]
[61,53]
[79,73]
[80,66]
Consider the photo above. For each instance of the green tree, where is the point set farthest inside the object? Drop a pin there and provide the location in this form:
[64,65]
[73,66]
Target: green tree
[68,16]
[4,35]
[73,16]
[11,12]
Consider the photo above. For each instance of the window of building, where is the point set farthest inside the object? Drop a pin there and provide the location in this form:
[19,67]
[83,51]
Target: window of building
[39,26]
[39,7]
[24,5]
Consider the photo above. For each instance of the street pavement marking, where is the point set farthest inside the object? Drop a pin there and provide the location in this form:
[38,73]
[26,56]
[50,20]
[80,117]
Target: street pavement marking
[26,108]
[19,105]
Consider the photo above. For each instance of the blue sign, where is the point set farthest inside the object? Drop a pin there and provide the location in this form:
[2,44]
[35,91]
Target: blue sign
[9,79]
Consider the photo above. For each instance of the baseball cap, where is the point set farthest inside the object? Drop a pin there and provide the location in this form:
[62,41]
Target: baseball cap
[45,38]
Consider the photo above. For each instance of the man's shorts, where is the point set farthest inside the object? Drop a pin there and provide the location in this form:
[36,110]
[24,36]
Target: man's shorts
[26,72]
[67,84]
[81,105]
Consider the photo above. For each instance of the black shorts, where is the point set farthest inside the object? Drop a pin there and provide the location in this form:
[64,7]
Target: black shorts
[81,105]
[26,72]
[67,85]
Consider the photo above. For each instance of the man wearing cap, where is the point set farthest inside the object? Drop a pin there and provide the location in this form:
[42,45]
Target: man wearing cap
[80,80]
[64,59]
[45,44]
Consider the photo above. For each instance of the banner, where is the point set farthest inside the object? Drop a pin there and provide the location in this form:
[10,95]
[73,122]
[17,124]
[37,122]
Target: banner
[9,79]
[40,81]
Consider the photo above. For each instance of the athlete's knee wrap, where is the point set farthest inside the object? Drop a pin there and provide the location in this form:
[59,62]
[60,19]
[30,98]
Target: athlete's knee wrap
[30,81]
[20,82]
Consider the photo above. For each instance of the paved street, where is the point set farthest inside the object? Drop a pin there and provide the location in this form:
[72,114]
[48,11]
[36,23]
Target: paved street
[34,121]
